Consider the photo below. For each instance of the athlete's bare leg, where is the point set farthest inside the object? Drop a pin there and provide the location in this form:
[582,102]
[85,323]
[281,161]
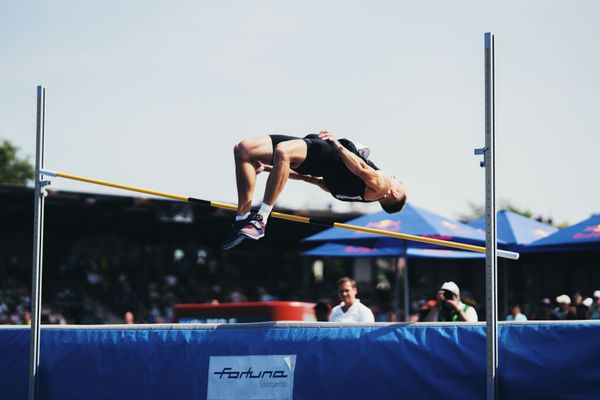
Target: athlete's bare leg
[246,154]
[249,154]
[287,154]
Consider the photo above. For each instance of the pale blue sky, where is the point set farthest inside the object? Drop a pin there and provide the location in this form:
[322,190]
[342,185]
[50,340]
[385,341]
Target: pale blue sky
[156,93]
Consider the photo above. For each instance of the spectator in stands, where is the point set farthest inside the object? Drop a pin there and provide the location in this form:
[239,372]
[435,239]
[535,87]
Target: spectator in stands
[516,314]
[264,295]
[595,312]
[350,309]
[55,317]
[3,312]
[449,306]
[577,299]
[425,307]
[237,296]
[129,318]
[574,307]
[26,319]
[582,310]
[322,310]
[543,310]
[562,312]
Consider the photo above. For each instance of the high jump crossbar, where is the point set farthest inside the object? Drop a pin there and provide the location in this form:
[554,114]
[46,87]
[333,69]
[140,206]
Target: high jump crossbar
[297,218]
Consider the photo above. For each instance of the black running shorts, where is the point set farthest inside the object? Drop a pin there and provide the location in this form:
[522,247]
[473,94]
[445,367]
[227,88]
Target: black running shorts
[321,157]
[322,160]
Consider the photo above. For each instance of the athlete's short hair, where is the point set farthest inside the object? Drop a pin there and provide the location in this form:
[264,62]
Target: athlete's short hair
[395,206]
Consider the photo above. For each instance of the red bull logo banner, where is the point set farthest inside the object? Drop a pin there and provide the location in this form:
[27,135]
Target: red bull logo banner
[457,230]
[385,224]
[590,232]
[540,233]
[358,250]
[440,237]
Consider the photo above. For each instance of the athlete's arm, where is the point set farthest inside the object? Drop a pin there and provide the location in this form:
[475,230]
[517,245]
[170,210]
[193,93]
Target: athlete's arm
[310,179]
[260,167]
[376,185]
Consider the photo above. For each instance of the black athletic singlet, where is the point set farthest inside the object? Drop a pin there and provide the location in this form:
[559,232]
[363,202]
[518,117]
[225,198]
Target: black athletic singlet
[322,160]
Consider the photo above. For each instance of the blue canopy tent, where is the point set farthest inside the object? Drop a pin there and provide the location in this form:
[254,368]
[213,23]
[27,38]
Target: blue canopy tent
[584,235]
[411,220]
[346,250]
[515,229]
[413,252]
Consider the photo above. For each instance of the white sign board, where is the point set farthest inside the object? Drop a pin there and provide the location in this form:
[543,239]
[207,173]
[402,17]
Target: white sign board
[251,377]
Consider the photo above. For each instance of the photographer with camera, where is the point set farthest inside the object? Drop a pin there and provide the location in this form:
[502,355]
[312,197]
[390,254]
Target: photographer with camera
[449,307]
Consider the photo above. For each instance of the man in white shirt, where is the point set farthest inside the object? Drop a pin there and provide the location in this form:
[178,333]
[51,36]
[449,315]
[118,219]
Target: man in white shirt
[350,309]
[450,308]
[516,314]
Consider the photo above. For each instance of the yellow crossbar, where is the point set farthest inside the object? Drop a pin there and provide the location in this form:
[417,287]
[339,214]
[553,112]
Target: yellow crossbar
[231,207]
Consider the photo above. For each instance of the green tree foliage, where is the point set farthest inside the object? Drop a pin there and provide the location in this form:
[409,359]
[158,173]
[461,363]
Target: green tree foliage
[505,205]
[14,170]
[477,211]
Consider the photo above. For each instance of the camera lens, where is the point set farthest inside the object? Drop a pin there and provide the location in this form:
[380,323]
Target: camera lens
[448,295]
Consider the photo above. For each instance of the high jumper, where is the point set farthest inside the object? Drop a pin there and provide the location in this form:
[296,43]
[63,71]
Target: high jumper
[340,167]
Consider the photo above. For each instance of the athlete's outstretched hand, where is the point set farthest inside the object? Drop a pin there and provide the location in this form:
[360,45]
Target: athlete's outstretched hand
[325,135]
[260,167]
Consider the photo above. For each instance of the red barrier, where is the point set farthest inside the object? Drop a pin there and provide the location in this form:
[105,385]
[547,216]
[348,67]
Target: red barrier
[244,312]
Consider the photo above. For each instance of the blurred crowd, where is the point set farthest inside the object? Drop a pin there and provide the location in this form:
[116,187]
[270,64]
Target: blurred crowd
[131,284]
[94,284]
[560,308]
[15,306]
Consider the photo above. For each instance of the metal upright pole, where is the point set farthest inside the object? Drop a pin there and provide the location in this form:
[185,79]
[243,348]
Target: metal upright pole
[38,245]
[405,282]
[490,211]
[406,289]
[396,261]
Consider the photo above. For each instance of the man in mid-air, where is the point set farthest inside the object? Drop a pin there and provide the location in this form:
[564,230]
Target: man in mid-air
[336,166]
